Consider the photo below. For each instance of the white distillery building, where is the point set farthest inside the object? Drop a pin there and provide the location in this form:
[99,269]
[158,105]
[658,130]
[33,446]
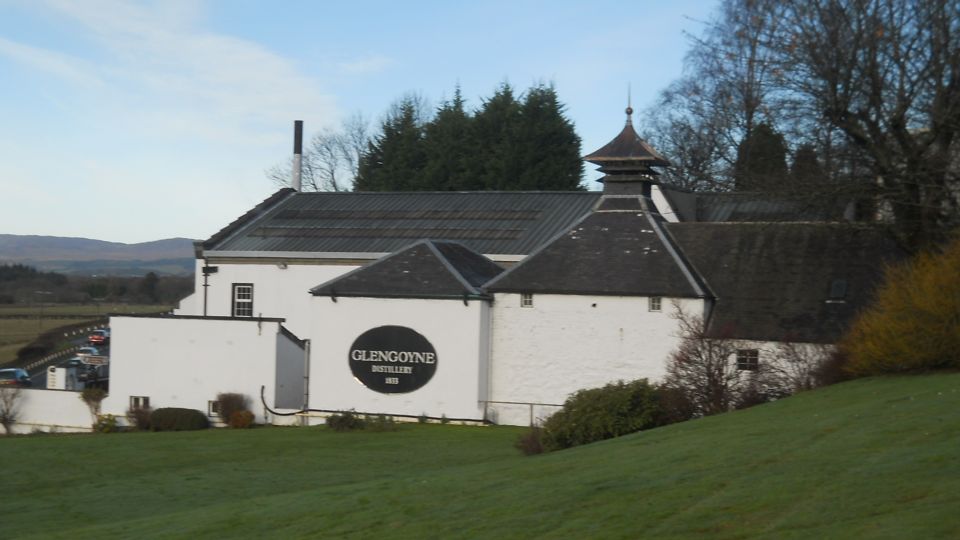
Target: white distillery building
[488,306]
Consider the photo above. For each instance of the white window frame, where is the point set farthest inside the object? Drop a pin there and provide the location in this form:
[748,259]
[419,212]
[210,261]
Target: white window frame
[139,402]
[526,300]
[241,299]
[655,303]
[213,408]
[748,359]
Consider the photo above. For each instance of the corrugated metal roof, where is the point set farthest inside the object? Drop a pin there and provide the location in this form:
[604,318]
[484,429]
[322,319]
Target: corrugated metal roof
[491,222]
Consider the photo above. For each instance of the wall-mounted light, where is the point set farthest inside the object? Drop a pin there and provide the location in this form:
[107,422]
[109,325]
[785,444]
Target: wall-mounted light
[282,266]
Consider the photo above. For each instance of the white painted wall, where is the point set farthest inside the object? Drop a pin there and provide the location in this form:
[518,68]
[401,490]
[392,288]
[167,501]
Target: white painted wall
[277,292]
[456,331]
[182,362]
[52,410]
[565,343]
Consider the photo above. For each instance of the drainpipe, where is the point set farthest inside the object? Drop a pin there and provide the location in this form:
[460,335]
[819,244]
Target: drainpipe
[306,378]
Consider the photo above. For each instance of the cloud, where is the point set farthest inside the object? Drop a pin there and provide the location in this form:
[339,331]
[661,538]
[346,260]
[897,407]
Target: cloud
[162,67]
[61,65]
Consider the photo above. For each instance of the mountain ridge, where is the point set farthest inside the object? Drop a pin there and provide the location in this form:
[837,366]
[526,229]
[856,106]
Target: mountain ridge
[75,255]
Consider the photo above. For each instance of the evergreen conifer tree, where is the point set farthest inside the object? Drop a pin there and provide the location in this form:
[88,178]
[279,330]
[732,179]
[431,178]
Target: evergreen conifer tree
[548,148]
[495,163]
[395,159]
[448,143]
[761,163]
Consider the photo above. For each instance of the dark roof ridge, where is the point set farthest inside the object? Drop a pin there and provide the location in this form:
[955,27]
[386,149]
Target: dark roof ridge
[695,279]
[249,216]
[431,244]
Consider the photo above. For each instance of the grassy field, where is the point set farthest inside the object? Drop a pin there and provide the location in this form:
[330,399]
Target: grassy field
[875,458]
[17,332]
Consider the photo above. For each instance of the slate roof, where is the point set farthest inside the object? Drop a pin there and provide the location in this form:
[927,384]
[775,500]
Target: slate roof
[750,207]
[627,146]
[425,269]
[773,281]
[358,222]
[621,249]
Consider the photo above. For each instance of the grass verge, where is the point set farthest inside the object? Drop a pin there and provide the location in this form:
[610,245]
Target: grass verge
[874,458]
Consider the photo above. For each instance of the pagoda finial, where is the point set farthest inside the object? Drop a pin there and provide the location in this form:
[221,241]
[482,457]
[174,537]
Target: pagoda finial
[629,110]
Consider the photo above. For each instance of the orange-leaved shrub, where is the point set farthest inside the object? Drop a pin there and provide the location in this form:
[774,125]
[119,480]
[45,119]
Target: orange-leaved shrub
[914,322]
[241,419]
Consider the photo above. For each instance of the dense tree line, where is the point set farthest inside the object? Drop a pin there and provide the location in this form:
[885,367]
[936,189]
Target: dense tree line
[855,100]
[509,142]
[22,284]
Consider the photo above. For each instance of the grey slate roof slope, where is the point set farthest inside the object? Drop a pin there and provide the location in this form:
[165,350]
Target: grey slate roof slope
[620,249]
[773,281]
[358,222]
[749,206]
[426,269]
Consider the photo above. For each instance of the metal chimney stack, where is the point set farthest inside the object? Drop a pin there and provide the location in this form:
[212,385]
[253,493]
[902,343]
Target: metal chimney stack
[297,154]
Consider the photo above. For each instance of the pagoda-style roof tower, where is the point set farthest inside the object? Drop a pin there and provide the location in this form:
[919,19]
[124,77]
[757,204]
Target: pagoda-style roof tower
[627,159]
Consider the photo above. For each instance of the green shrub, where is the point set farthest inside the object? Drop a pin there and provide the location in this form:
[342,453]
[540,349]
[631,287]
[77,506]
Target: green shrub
[106,423]
[602,413]
[914,322]
[345,421]
[178,419]
[139,418]
[241,419]
[231,402]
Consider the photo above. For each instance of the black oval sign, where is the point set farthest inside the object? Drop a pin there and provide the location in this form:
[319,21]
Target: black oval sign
[392,359]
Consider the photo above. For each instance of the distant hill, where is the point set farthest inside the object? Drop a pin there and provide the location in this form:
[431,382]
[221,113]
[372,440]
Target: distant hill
[83,256]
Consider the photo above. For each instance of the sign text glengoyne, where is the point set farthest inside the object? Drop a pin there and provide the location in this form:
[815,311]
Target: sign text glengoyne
[392,359]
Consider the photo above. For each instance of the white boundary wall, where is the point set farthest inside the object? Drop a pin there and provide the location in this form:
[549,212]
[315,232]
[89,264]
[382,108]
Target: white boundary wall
[52,411]
[565,343]
[456,331]
[182,362]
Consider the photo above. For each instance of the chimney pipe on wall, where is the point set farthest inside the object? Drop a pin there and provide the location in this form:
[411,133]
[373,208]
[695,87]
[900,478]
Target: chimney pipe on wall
[297,153]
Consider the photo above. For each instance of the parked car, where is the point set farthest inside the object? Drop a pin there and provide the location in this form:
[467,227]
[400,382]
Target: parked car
[15,377]
[99,337]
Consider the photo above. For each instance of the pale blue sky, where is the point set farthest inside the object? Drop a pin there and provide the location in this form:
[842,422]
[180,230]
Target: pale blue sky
[134,121]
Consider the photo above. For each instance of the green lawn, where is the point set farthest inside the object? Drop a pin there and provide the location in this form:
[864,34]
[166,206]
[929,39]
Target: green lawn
[876,458]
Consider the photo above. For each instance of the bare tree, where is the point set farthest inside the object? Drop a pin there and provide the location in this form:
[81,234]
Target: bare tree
[795,367]
[9,408]
[726,90]
[330,161]
[886,75]
[704,367]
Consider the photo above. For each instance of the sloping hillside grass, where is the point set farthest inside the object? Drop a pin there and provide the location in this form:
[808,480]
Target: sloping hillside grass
[875,458]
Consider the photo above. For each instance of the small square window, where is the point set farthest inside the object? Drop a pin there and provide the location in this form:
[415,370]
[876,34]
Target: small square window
[526,300]
[653,303]
[748,359]
[139,402]
[213,408]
